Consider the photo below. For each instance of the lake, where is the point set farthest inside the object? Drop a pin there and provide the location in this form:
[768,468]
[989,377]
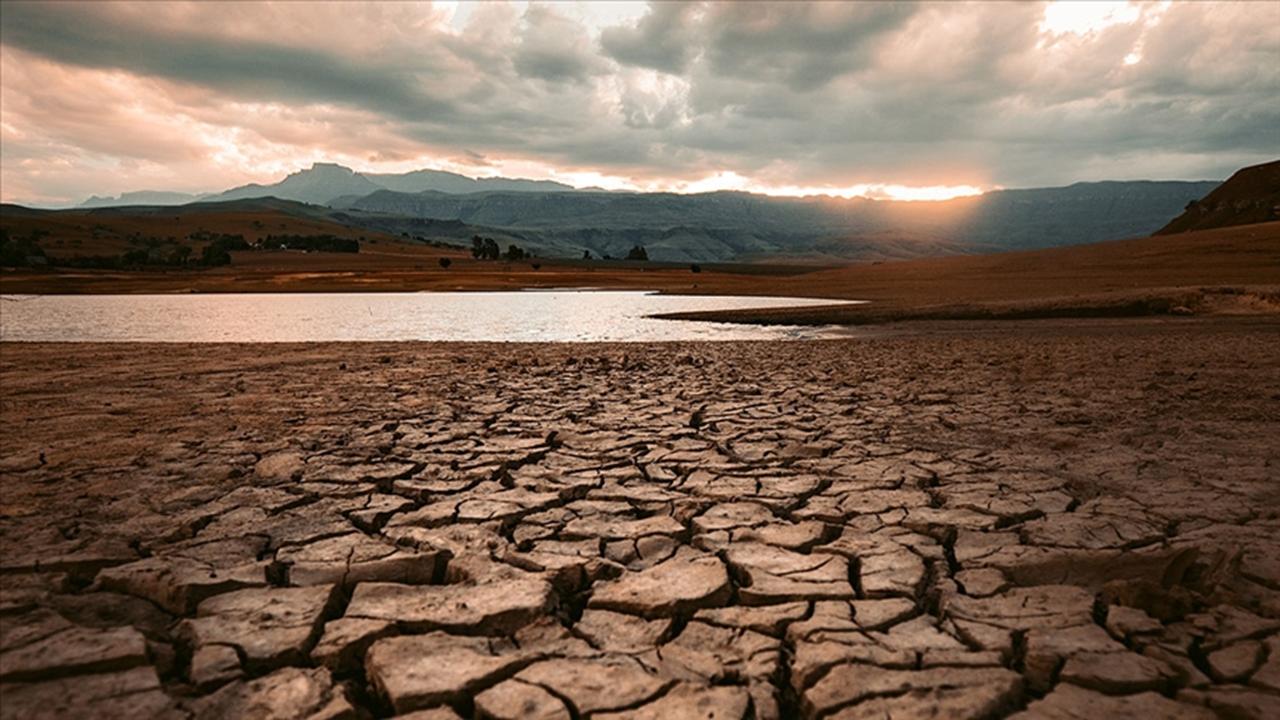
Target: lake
[526,316]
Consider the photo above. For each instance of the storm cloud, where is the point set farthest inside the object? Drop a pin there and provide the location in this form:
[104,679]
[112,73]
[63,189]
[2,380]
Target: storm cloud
[112,97]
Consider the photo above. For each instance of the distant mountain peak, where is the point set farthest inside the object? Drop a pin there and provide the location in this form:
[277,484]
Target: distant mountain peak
[140,197]
[325,183]
[323,167]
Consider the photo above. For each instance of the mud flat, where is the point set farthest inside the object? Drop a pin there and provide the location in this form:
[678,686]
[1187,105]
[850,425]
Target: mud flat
[1058,519]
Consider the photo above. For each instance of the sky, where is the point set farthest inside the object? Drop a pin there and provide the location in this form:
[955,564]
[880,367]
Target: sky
[900,100]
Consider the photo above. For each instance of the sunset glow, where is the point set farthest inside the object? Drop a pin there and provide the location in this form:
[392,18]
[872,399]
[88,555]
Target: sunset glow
[892,101]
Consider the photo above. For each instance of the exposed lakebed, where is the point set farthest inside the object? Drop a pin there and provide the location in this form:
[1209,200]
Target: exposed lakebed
[1078,521]
[529,316]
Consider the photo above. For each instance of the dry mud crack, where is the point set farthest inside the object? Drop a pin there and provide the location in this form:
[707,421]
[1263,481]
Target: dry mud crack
[1066,521]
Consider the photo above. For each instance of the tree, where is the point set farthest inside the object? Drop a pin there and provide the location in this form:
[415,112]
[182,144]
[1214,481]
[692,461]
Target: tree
[215,254]
[514,253]
[484,248]
[637,252]
[586,254]
[445,263]
[695,267]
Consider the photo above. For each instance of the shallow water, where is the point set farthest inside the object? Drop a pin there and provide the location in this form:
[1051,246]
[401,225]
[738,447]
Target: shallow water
[529,316]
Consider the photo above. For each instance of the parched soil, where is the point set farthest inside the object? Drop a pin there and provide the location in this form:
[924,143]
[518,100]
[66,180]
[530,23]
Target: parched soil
[1059,518]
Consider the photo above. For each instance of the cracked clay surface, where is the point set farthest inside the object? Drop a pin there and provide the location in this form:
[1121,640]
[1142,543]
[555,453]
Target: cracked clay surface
[1052,522]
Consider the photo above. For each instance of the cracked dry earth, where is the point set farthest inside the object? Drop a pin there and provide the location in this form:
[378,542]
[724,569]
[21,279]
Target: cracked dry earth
[1057,522]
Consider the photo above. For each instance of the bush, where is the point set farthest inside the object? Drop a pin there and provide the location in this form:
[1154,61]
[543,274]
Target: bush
[445,263]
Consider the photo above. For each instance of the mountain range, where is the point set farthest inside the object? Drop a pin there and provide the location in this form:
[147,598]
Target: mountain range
[325,181]
[552,219]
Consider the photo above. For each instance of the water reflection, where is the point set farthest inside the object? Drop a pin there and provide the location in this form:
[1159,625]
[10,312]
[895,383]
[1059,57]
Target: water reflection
[530,316]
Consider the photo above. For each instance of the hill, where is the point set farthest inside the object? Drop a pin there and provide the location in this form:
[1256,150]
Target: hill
[175,238]
[1251,195]
[733,226]
[68,231]
[1224,270]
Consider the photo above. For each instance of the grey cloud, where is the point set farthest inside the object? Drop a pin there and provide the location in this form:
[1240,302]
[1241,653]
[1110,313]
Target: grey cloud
[554,48]
[1189,52]
[800,93]
[800,45]
[251,70]
[661,40]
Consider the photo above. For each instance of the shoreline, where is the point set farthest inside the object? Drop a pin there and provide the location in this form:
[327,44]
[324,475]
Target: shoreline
[1261,300]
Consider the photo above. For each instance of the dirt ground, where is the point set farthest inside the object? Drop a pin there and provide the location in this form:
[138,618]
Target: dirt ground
[820,529]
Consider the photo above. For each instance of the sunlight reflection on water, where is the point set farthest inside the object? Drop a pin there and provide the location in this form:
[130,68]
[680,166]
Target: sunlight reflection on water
[530,316]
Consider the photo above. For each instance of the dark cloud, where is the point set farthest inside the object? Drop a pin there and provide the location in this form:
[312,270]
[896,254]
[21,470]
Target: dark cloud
[554,48]
[800,94]
[254,70]
[800,45]
[662,40]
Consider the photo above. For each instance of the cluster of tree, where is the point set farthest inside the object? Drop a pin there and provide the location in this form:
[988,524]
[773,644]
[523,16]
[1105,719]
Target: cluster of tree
[154,251]
[486,248]
[218,252]
[143,252]
[313,243]
[209,236]
[21,251]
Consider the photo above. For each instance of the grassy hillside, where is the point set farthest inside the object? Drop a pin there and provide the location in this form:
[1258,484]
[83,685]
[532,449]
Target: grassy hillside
[1251,195]
[1233,269]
